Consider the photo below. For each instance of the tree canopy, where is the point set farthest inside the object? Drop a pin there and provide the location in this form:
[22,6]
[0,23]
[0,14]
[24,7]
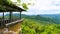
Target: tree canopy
[8,5]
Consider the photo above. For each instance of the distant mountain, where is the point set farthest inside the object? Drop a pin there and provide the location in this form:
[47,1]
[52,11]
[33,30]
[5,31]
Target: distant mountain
[52,15]
[17,15]
[55,17]
[35,17]
[46,17]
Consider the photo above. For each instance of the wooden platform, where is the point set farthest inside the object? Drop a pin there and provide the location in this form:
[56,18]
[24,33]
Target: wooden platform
[13,26]
[12,29]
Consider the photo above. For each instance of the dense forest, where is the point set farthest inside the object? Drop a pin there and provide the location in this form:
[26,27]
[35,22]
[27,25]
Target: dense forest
[38,24]
[30,26]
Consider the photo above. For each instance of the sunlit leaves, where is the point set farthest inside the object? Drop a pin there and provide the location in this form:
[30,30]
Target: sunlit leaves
[25,6]
[9,1]
[19,1]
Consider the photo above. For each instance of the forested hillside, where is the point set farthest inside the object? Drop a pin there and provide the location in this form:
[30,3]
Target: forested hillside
[37,24]
[55,17]
[30,26]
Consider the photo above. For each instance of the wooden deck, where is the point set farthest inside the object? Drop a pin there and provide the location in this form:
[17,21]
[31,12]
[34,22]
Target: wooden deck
[7,22]
[11,29]
[13,26]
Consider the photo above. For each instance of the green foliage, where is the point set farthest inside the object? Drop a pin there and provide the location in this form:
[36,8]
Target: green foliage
[1,1]
[19,1]
[9,2]
[25,6]
[32,27]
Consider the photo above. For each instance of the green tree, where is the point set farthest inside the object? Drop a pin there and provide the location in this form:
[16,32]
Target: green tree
[20,3]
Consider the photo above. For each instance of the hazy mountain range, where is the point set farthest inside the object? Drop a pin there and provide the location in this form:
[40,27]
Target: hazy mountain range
[42,17]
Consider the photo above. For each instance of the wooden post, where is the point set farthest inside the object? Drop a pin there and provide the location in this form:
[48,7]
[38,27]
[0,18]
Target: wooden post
[3,17]
[10,17]
[3,24]
[20,15]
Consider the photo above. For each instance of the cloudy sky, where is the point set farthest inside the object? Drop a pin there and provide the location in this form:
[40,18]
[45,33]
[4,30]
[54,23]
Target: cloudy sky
[42,7]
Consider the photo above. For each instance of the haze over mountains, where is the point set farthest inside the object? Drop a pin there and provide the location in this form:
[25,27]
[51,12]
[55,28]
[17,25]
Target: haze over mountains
[42,17]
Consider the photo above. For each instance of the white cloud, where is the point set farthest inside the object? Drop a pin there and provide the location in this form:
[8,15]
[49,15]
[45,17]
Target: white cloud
[44,6]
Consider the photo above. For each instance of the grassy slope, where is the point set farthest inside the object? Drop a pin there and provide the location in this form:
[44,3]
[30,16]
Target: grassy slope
[30,26]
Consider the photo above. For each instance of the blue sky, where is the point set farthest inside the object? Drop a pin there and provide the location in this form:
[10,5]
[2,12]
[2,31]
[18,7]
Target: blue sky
[42,7]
